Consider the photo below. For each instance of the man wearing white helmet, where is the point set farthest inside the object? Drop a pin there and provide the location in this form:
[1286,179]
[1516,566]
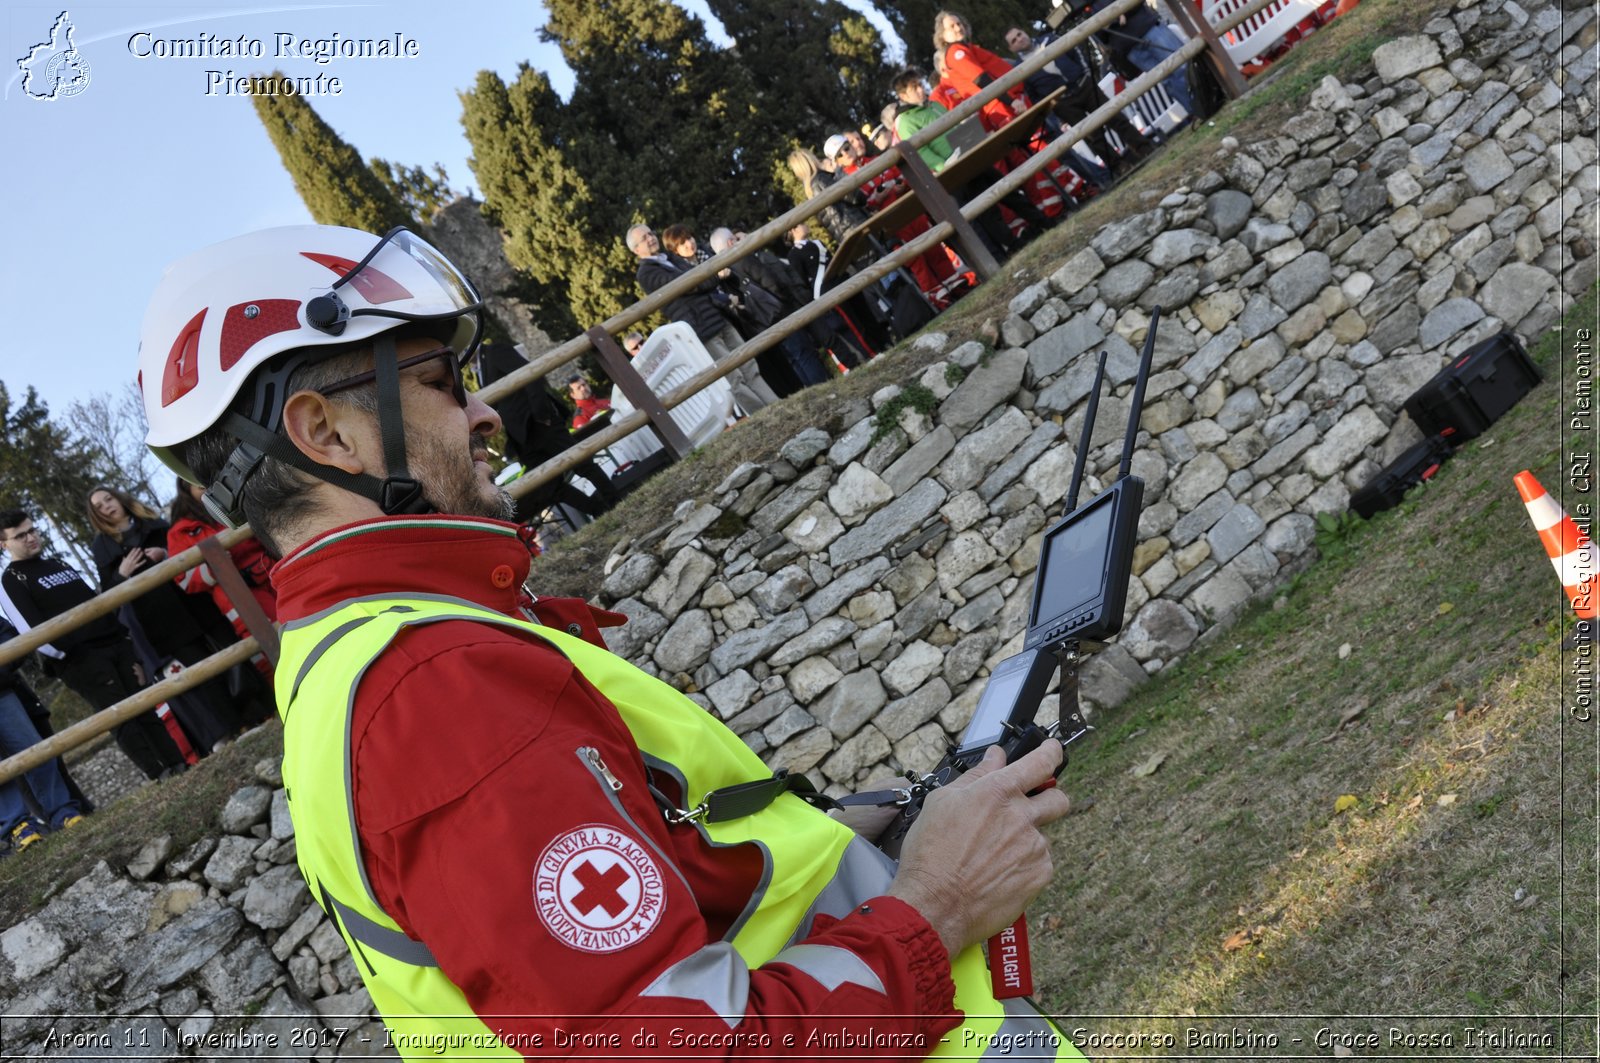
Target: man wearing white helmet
[503,819]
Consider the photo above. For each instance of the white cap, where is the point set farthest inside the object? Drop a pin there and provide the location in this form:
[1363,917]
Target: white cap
[830,150]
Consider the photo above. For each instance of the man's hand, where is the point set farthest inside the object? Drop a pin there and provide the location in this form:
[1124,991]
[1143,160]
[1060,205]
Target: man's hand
[974,859]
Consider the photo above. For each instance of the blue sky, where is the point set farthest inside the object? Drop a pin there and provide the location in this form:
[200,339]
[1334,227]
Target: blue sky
[105,187]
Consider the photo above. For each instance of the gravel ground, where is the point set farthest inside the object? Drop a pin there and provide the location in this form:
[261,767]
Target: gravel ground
[104,773]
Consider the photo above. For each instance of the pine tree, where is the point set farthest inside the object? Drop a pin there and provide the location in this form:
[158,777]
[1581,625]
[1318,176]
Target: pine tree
[665,127]
[335,185]
[578,272]
[818,65]
[45,470]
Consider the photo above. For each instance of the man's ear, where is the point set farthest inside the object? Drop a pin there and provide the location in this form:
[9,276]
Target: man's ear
[327,432]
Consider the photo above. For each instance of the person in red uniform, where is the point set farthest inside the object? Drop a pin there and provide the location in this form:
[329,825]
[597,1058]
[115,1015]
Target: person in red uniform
[464,737]
[965,70]
[190,524]
[934,268]
[583,397]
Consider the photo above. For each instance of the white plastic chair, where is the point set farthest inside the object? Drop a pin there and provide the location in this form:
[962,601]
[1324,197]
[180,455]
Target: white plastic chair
[672,355]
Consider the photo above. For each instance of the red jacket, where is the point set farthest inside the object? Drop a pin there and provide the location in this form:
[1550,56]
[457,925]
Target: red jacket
[972,69]
[249,557]
[463,771]
[588,410]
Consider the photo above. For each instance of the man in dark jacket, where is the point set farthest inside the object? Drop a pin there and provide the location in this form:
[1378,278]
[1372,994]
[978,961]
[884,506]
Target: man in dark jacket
[699,309]
[95,659]
[1139,41]
[770,291]
[1072,70]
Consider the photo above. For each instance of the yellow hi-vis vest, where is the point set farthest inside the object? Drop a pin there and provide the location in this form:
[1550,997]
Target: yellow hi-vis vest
[816,865]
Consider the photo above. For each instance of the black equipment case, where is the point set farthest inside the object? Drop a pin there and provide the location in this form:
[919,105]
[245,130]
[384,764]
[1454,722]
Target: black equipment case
[1411,468]
[1469,395]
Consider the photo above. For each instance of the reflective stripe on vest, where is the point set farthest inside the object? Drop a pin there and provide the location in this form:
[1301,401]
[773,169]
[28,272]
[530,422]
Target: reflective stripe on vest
[813,864]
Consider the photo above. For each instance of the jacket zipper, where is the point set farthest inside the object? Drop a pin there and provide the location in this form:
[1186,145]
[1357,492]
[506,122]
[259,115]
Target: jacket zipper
[613,786]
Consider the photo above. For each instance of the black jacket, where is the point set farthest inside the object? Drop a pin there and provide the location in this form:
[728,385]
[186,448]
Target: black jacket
[170,618]
[698,308]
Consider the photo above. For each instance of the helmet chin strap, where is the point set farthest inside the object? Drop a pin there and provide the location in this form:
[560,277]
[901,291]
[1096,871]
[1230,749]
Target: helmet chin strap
[396,494]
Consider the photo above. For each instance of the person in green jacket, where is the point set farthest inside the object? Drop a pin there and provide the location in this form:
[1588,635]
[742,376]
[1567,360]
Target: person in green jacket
[918,111]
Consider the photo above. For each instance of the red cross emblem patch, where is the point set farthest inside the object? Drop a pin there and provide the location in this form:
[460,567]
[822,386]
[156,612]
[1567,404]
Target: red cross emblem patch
[598,890]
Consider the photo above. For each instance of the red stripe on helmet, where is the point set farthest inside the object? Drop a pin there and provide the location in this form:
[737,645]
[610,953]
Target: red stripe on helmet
[183,362]
[246,324]
[374,285]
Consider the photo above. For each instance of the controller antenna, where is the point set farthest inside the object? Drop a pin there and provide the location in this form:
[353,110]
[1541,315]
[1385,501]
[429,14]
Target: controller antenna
[1083,443]
[1138,394]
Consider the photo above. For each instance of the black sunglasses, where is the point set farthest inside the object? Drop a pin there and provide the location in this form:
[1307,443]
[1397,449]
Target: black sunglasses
[458,385]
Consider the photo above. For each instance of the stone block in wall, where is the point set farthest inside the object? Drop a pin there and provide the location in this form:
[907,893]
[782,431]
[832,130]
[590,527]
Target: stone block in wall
[813,528]
[826,633]
[1051,352]
[904,715]
[1220,597]
[275,898]
[745,647]
[1078,272]
[857,492]
[1162,629]
[1237,529]
[1227,210]
[811,677]
[1198,480]
[828,599]
[680,581]
[1513,291]
[851,702]
[803,752]
[686,644]
[893,522]
[1394,380]
[856,754]
[978,452]
[1110,676]
[922,749]
[985,387]
[1198,520]
[1127,236]
[1344,442]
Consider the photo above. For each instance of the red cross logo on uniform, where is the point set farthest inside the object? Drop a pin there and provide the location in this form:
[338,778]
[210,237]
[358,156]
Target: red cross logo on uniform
[598,889]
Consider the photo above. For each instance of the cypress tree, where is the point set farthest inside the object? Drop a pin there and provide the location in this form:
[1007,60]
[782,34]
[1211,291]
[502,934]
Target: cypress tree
[578,272]
[818,65]
[334,184]
[418,191]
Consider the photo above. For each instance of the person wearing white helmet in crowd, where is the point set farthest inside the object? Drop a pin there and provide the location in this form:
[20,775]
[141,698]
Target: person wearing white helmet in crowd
[477,786]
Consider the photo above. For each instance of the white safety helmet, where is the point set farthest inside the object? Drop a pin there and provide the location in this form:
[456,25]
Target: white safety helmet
[222,317]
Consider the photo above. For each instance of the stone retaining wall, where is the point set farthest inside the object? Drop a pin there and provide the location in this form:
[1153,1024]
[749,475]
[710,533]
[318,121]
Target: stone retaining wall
[840,606]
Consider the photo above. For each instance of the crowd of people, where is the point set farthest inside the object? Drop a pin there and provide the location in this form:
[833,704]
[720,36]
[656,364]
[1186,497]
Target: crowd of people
[741,301]
[172,626]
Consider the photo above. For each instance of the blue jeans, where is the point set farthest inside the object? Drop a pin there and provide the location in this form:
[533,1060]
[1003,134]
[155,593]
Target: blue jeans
[49,789]
[1159,43]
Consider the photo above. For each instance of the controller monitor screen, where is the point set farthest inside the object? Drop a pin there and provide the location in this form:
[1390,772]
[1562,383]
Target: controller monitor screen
[994,708]
[1083,567]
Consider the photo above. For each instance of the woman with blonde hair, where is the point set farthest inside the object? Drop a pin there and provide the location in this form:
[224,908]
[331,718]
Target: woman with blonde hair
[817,177]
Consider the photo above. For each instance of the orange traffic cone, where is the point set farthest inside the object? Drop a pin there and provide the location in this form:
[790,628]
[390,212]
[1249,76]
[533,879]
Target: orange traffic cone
[1571,550]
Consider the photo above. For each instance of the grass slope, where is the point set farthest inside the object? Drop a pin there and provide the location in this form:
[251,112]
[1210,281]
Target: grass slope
[1233,881]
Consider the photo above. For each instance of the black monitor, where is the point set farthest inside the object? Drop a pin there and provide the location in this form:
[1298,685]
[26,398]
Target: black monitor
[1084,564]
